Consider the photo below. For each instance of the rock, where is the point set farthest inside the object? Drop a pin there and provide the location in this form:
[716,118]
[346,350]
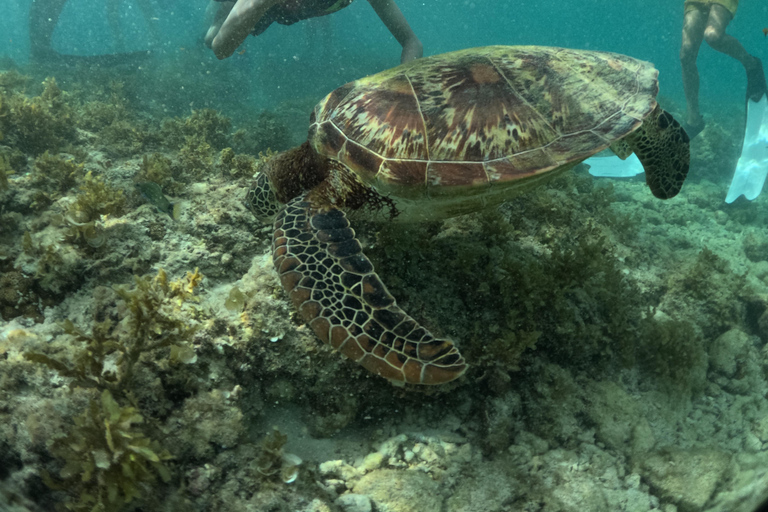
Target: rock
[686,478]
[760,429]
[726,350]
[400,491]
[354,503]
[372,461]
[618,418]
[490,487]
[390,447]
[642,437]
[339,469]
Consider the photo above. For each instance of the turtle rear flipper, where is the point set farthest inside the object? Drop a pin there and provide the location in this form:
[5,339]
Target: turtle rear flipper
[334,287]
[663,148]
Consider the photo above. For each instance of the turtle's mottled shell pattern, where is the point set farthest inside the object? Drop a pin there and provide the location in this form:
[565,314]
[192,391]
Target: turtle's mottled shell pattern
[482,117]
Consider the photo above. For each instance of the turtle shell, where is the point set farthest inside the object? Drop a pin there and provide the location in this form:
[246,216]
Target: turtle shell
[489,117]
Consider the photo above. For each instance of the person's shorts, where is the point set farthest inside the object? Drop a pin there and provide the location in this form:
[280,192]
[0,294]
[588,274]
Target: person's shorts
[731,5]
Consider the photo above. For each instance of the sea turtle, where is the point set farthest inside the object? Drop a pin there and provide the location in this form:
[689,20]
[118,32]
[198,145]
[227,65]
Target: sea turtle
[433,138]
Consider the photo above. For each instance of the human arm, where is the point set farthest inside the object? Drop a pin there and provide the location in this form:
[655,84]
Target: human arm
[233,23]
[394,20]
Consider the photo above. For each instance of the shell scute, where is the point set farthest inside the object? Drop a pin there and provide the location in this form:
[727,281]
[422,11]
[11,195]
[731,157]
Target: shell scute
[484,116]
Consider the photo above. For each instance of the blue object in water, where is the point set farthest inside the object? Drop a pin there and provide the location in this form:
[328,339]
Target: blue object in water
[752,167]
[614,167]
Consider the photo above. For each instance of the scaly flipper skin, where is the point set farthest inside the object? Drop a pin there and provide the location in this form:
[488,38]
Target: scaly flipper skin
[662,146]
[334,287]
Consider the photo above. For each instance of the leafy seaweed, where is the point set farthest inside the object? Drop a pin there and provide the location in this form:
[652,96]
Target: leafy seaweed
[107,458]
[153,318]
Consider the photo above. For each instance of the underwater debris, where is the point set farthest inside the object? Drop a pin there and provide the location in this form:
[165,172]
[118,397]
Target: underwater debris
[92,233]
[235,300]
[107,458]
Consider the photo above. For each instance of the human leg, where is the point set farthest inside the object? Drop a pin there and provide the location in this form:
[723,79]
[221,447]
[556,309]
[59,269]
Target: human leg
[239,22]
[113,19]
[150,19]
[694,24]
[43,16]
[715,35]
[717,21]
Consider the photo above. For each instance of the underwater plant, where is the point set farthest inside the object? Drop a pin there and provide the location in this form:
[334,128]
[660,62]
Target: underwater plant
[12,81]
[267,131]
[156,168]
[675,352]
[237,166]
[42,123]
[196,157]
[108,460]
[5,171]
[153,317]
[96,198]
[203,125]
[273,461]
[53,173]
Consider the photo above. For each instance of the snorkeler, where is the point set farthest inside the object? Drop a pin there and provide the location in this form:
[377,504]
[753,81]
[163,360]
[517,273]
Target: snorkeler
[44,15]
[707,20]
[235,20]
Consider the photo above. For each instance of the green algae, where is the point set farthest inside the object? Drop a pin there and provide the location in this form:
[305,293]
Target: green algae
[38,124]
[53,174]
[5,171]
[154,316]
[96,198]
[203,126]
[237,166]
[107,458]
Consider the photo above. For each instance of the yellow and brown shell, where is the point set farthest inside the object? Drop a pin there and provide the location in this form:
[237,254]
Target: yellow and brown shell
[482,118]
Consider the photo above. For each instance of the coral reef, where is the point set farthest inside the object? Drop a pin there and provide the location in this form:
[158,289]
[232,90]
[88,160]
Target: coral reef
[617,344]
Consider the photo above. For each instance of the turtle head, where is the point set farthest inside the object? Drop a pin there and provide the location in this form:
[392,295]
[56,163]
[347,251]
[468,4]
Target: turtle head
[261,198]
[285,176]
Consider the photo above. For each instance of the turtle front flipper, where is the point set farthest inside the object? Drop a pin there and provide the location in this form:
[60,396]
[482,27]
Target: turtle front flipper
[333,285]
[663,147]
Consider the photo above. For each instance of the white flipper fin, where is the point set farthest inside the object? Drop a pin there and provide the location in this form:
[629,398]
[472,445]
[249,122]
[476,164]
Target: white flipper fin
[752,167]
[614,167]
